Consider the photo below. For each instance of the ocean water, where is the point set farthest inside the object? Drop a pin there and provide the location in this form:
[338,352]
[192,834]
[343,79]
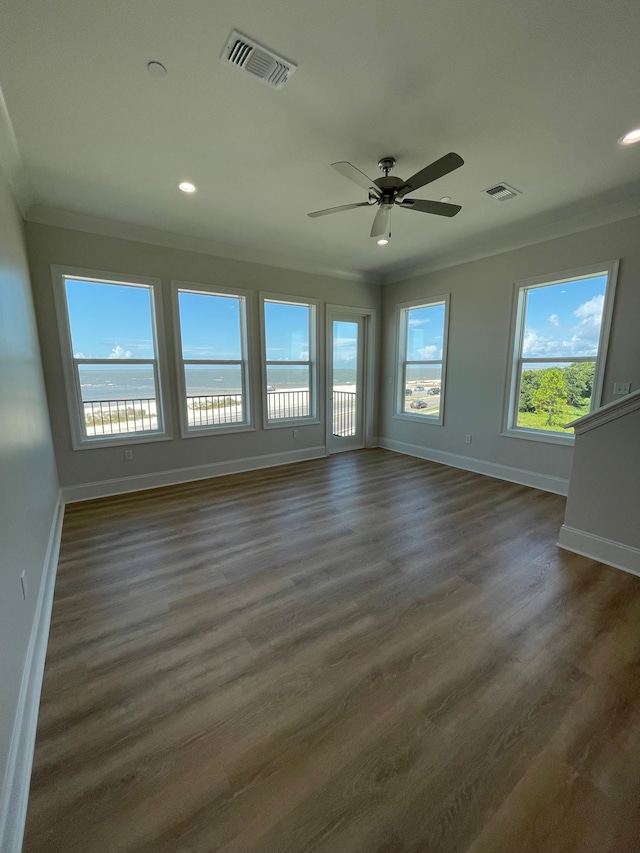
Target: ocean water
[136,382]
[423,373]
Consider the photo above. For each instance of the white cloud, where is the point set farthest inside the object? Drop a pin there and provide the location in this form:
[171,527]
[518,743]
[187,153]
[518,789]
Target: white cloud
[419,322]
[591,310]
[584,340]
[429,352]
[120,352]
[580,339]
[79,355]
[537,346]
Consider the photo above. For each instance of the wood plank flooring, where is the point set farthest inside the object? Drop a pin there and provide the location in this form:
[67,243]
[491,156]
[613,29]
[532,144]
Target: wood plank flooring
[362,654]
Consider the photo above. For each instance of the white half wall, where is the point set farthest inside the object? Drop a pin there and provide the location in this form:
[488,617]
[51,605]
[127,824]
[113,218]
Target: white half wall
[599,548]
[604,496]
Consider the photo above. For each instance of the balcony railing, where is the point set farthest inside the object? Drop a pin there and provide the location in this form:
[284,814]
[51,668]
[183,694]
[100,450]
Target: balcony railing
[214,409]
[344,413]
[120,417]
[287,404]
[113,417]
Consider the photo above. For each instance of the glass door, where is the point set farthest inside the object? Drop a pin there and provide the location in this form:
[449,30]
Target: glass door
[345,369]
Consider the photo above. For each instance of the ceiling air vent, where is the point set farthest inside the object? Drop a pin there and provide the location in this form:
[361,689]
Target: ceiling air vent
[249,56]
[502,192]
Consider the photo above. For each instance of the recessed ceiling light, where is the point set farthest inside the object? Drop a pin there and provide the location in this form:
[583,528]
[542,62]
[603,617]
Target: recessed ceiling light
[382,241]
[446,198]
[187,187]
[631,137]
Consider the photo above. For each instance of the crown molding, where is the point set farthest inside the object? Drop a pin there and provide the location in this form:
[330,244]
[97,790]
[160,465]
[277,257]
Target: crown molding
[519,237]
[43,215]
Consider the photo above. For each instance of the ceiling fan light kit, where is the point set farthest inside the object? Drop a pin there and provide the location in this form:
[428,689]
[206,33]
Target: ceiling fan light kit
[390,191]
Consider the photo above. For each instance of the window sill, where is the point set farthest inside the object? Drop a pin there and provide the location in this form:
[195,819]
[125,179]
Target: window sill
[120,440]
[431,420]
[539,435]
[296,422]
[227,429]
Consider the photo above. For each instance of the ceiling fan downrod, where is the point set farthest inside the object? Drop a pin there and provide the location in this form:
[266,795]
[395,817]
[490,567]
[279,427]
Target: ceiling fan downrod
[386,164]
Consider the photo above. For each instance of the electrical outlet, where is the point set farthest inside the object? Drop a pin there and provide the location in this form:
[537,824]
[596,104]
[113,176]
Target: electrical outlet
[295,433]
[621,387]
[128,455]
[23,584]
[467,439]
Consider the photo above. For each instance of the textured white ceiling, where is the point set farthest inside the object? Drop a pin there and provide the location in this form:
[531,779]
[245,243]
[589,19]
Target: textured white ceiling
[532,93]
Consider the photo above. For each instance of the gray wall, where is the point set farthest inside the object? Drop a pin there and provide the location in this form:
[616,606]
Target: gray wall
[481,299]
[51,245]
[28,484]
[604,495]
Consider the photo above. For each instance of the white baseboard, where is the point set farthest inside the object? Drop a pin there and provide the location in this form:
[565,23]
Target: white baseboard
[15,796]
[122,485]
[547,483]
[598,548]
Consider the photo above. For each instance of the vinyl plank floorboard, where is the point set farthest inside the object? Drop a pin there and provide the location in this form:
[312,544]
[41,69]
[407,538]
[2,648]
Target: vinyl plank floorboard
[367,653]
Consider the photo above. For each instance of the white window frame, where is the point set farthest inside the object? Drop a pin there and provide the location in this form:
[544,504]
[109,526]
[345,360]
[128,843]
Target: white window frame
[75,407]
[313,363]
[402,319]
[516,338]
[246,425]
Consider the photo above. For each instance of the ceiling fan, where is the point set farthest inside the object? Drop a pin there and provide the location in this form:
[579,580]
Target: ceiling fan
[390,190]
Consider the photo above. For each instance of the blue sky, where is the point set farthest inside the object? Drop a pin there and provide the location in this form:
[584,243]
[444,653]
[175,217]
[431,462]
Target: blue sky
[563,320]
[287,331]
[110,321]
[210,326]
[113,321]
[425,330]
[345,343]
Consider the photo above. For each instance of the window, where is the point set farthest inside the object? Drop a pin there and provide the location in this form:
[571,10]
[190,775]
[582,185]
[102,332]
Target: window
[212,350]
[561,330]
[110,351]
[422,336]
[289,335]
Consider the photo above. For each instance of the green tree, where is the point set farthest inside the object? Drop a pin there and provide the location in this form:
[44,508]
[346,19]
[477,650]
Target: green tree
[551,394]
[578,381]
[529,384]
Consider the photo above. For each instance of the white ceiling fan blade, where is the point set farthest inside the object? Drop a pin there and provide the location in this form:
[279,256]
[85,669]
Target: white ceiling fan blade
[381,222]
[358,177]
[339,208]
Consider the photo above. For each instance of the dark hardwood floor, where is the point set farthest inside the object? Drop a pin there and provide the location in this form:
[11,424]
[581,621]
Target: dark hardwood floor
[362,654]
